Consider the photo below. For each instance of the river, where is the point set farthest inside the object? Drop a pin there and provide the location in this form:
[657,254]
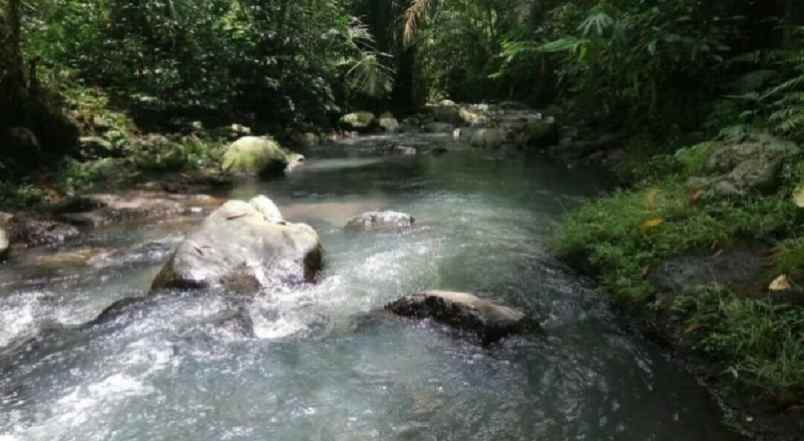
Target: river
[318,366]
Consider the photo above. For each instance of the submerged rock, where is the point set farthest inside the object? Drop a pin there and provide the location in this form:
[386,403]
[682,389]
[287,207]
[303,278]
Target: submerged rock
[402,150]
[468,312]
[242,247]
[381,221]
[101,209]
[358,121]
[256,155]
[4,244]
[33,232]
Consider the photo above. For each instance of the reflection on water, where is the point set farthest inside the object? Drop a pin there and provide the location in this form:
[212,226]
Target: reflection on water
[321,363]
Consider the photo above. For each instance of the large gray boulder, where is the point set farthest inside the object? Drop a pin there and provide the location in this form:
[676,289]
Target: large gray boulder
[381,221]
[468,312]
[4,244]
[244,247]
[257,155]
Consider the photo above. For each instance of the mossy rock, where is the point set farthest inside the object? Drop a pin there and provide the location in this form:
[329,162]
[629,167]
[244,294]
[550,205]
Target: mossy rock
[358,121]
[736,168]
[255,155]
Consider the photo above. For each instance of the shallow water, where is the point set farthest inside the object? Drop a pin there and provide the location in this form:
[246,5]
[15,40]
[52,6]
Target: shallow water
[321,366]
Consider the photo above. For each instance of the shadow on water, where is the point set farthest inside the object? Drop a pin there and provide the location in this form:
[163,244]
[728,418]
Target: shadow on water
[318,362]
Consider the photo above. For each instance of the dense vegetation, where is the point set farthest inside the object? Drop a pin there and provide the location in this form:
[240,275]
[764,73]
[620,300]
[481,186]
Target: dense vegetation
[667,73]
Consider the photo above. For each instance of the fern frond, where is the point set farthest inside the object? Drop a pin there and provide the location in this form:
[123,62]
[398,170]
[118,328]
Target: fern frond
[598,21]
[785,86]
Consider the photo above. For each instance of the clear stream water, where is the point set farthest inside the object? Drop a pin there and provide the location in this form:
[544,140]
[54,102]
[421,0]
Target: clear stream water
[321,366]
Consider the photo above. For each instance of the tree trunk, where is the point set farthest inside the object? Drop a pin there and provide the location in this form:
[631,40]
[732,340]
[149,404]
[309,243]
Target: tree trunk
[12,85]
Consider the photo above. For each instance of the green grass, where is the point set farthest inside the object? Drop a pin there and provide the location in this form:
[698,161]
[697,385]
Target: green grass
[789,257]
[762,342]
[625,235]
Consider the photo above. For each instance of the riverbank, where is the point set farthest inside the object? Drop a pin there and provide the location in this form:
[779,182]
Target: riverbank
[704,249]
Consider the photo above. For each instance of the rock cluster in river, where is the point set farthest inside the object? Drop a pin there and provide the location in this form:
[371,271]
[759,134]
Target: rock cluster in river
[468,312]
[244,247]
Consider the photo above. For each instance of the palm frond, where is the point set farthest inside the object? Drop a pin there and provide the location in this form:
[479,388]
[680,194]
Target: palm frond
[415,13]
[369,76]
[598,21]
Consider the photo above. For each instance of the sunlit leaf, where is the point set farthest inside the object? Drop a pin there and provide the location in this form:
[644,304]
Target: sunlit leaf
[798,196]
[781,283]
[650,224]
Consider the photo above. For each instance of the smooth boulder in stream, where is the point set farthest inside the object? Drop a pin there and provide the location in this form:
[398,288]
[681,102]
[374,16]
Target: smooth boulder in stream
[244,247]
[467,312]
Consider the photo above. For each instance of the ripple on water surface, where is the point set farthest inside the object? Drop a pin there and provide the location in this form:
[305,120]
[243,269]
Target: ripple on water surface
[322,362]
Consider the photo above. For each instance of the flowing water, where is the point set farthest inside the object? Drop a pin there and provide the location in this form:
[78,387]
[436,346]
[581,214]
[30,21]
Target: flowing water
[320,365]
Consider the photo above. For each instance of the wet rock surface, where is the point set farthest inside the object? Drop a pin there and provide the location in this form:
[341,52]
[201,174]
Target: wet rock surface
[102,209]
[464,311]
[33,232]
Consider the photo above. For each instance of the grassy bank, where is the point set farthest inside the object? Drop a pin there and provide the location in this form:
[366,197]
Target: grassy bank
[750,332]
